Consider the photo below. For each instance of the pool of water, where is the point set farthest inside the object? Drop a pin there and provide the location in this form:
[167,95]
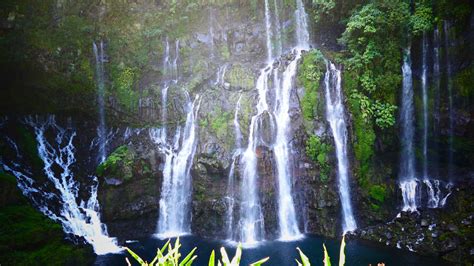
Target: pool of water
[280,253]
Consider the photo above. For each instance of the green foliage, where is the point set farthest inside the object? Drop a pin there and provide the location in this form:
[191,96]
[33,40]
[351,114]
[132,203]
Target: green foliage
[169,256]
[27,237]
[378,193]
[309,75]
[119,164]
[363,142]
[464,81]
[458,10]
[240,77]
[220,122]
[422,20]
[374,35]
[318,152]
[322,7]
[166,256]
[124,80]
[327,260]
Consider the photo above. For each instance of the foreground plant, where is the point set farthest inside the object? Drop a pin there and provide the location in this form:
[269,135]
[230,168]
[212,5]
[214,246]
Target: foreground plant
[166,257]
[327,259]
[170,257]
[225,261]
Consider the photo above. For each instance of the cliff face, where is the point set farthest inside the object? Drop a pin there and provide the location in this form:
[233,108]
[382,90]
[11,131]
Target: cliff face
[216,51]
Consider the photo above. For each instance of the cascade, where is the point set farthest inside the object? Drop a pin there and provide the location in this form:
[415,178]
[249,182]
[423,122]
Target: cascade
[174,218]
[424,96]
[437,99]
[302,32]
[251,224]
[449,85]
[77,217]
[170,74]
[335,114]
[231,178]
[100,77]
[286,209]
[435,191]
[278,34]
[408,182]
[268,31]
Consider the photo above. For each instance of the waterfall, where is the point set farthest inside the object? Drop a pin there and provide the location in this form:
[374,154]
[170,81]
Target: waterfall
[409,193]
[450,98]
[251,224]
[435,191]
[286,213]
[335,114]
[231,178]
[437,102]
[174,218]
[170,76]
[424,96]
[220,76]
[302,32]
[77,217]
[408,182]
[100,77]
[268,30]
[278,34]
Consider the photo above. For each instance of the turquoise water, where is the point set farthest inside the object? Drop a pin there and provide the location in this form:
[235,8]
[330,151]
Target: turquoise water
[281,253]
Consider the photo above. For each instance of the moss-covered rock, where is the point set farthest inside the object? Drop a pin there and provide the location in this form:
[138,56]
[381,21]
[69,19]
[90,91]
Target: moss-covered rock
[129,191]
[119,164]
[310,72]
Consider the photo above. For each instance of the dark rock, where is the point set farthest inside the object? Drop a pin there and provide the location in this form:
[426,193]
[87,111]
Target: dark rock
[453,228]
[424,223]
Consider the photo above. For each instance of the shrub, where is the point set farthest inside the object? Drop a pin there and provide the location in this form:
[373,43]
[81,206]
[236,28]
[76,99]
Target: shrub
[318,152]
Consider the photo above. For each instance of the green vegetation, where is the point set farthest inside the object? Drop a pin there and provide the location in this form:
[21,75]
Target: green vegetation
[318,152]
[377,193]
[309,75]
[327,259]
[464,81]
[240,77]
[220,122]
[123,86]
[27,237]
[373,36]
[169,255]
[28,144]
[119,164]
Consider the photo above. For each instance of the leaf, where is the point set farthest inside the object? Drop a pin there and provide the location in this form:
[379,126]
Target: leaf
[212,259]
[158,255]
[187,258]
[238,255]
[260,262]
[136,257]
[342,256]
[190,262]
[165,246]
[225,258]
[327,260]
[304,259]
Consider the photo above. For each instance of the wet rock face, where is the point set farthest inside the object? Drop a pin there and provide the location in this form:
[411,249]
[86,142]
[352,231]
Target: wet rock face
[130,203]
[432,231]
[209,206]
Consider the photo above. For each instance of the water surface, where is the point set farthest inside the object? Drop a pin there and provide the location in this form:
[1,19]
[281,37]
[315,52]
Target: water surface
[281,253]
